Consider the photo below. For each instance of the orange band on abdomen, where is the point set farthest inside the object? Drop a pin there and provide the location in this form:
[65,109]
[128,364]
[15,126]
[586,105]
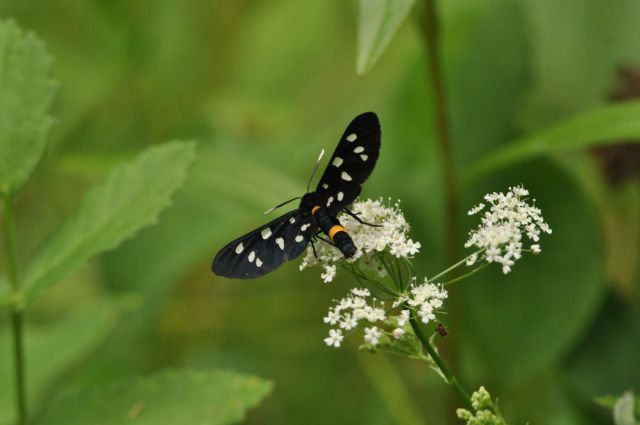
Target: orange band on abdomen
[315,209]
[335,229]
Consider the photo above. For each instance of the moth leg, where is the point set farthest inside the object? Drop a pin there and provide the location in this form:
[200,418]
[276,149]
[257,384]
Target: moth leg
[355,216]
[322,238]
[313,247]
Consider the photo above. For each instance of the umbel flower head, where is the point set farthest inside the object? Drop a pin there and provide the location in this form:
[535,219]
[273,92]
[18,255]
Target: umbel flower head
[391,237]
[505,227]
[360,307]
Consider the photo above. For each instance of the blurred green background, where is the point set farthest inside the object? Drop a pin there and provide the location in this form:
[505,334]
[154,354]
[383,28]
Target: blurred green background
[263,86]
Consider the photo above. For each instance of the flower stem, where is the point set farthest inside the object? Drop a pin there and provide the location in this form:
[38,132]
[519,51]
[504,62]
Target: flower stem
[458,264]
[16,313]
[466,275]
[450,378]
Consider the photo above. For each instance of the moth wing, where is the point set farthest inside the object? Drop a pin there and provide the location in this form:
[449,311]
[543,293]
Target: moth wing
[265,248]
[351,163]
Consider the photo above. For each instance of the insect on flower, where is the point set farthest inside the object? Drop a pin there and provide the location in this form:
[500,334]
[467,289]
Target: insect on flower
[285,238]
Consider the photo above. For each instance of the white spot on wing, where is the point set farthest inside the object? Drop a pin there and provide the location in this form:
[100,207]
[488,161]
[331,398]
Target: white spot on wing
[345,176]
[304,227]
[352,137]
[258,262]
[292,220]
[266,233]
[340,196]
[252,256]
[325,186]
[337,161]
[329,201]
[364,157]
[299,238]
[239,248]
[359,149]
[280,243]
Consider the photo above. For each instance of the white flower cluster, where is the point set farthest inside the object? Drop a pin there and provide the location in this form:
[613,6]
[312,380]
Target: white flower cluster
[502,228]
[425,299]
[350,311]
[392,236]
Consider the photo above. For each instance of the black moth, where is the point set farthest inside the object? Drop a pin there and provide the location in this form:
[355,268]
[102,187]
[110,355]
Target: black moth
[285,238]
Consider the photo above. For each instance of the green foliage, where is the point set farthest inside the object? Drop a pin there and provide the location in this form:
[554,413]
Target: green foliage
[130,198]
[26,92]
[379,20]
[607,125]
[214,397]
[55,348]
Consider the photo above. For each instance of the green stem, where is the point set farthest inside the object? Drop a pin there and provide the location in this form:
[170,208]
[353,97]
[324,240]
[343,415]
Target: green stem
[17,319]
[466,275]
[443,134]
[378,285]
[449,377]
[458,264]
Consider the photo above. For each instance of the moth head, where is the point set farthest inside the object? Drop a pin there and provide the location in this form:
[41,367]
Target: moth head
[310,200]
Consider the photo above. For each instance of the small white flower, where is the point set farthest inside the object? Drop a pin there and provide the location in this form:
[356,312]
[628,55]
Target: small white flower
[335,338]
[372,335]
[361,292]
[404,317]
[472,259]
[520,191]
[329,273]
[535,249]
[397,333]
[332,317]
[376,314]
[476,209]
[348,322]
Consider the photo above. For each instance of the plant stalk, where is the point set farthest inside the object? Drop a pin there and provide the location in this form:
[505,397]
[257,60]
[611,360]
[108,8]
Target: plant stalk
[17,318]
[431,31]
[450,378]
[443,134]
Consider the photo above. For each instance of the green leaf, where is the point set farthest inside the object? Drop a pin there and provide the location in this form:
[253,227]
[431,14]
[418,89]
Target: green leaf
[379,21]
[607,125]
[623,409]
[26,91]
[53,348]
[129,199]
[212,397]
[606,341]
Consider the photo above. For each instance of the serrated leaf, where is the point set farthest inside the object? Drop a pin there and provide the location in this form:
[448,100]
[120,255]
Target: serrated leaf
[26,92]
[618,123]
[130,198]
[379,21]
[53,348]
[213,397]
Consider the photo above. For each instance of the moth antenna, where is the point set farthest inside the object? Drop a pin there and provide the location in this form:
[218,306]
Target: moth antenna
[281,205]
[313,173]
